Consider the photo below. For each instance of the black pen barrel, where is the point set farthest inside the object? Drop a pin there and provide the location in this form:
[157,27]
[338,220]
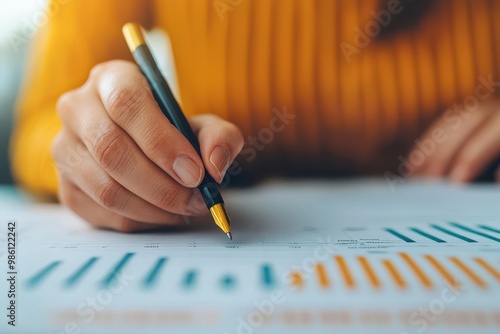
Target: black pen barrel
[171,109]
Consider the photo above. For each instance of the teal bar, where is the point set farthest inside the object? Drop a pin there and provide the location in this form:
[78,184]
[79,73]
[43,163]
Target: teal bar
[491,229]
[228,282]
[42,274]
[427,235]
[153,275]
[190,279]
[399,235]
[468,229]
[267,276]
[453,234]
[108,280]
[75,278]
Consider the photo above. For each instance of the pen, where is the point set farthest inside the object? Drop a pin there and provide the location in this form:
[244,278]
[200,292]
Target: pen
[134,35]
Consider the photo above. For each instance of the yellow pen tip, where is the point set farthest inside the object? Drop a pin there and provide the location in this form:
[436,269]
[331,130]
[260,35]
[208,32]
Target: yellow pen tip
[221,218]
[134,35]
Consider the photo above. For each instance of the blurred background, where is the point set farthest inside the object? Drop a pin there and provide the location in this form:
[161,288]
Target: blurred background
[12,57]
[16,25]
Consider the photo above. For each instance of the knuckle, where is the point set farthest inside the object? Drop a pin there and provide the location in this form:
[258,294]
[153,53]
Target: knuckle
[237,136]
[111,150]
[55,146]
[233,136]
[109,66]
[108,195]
[95,72]
[168,198]
[64,102]
[157,148]
[124,103]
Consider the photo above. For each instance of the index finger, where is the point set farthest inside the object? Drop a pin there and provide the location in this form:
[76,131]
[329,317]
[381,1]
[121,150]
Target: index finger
[128,100]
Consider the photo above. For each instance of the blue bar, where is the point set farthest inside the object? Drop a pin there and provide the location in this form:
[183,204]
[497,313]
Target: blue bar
[267,276]
[108,280]
[153,275]
[453,234]
[42,274]
[427,235]
[190,279]
[491,229]
[73,279]
[228,282]
[399,235]
[468,229]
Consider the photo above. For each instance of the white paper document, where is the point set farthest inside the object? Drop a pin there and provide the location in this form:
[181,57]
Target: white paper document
[315,256]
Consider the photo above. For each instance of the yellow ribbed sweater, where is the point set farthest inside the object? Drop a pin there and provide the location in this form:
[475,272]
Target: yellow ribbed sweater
[264,54]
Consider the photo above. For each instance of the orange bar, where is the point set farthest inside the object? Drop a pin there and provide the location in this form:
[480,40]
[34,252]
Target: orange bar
[344,270]
[416,269]
[398,279]
[486,266]
[323,280]
[449,278]
[467,271]
[370,273]
[297,280]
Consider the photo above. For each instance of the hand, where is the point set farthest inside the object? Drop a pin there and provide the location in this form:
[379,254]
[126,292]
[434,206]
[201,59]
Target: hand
[134,170]
[460,145]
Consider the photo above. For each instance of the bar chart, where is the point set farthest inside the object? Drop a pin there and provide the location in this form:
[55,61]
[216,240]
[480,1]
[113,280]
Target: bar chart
[359,259]
[449,232]
[401,271]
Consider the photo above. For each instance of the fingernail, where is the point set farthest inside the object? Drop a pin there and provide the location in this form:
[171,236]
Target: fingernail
[188,171]
[220,158]
[197,204]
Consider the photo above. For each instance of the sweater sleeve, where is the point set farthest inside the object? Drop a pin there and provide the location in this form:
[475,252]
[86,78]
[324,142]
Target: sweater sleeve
[79,35]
